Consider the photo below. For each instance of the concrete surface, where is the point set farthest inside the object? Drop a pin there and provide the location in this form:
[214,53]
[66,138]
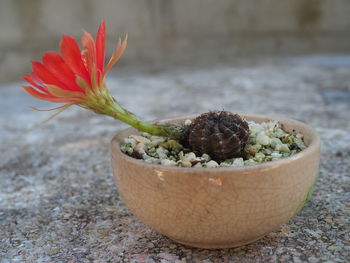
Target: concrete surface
[181,30]
[58,200]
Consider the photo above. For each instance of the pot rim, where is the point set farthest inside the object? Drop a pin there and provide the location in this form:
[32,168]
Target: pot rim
[314,144]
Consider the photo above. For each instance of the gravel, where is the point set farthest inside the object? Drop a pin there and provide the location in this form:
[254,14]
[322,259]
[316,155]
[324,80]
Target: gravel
[59,203]
[267,142]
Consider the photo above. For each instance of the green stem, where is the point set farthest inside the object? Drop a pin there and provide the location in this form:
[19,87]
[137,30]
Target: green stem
[113,109]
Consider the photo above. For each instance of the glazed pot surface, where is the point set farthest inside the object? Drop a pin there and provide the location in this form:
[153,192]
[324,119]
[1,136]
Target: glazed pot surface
[217,207]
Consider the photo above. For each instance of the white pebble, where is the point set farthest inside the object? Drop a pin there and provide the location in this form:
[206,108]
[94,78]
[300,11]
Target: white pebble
[188,122]
[282,148]
[275,142]
[185,163]
[138,138]
[168,162]
[262,139]
[205,157]
[189,157]
[198,165]
[146,134]
[152,160]
[157,139]
[255,127]
[276,155]
[130,141]
[211,164]
[181,155]
[249,162]
[259,156]
[265,144]
[140,147]
[162,152]
[226,163]
[272,125]
[238,162]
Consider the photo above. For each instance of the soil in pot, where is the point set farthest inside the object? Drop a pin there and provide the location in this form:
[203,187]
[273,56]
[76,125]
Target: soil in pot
[268,141]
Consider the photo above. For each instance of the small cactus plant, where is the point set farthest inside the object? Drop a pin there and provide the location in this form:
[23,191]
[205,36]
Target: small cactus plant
[77,77]
[220,134]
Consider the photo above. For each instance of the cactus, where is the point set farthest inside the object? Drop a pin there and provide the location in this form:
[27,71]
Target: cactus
[220,134]
[78,77]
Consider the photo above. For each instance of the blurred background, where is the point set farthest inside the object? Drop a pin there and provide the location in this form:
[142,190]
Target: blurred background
[168,33]
[278,57]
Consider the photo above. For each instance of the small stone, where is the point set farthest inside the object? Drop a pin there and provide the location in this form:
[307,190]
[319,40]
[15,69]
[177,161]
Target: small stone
[211,164]
[259,156]
[238,162]
[152,160]
[226,163]
[130,141]
[103,231]
[285,229]
[140,147]
[328,220]
[282,148]
[172,246]
[206,157]
[276,155]
[267,142]
[139,139]
[53,251]
[186,250]
[252,149]
[188,122]
[333,248]
[249,162]
[262,139]
[275,142]
[198,165]
[162,152]
[313,260]
[185,163]
[189,157]
[254,127]
[172,145]
[146,135]
[168,162]
[150,245]
[157,139]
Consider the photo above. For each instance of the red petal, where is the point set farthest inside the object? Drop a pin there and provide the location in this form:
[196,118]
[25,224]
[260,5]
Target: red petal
[89,51]
[56,65]
[116,55]
[100,46]
[42,96]
[63,93]
[37,79]
[46,76]
[72,56]
[30,79]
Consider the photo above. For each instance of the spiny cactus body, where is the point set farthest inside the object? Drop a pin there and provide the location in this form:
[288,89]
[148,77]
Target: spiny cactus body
[220,134]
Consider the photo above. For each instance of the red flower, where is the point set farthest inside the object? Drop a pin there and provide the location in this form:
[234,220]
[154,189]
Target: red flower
[78,78]
[75,77]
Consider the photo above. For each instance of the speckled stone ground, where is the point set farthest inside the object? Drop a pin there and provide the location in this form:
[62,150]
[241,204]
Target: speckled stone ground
[58,200]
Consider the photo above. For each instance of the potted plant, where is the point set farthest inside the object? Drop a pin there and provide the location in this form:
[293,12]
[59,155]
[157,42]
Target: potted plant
[212,180]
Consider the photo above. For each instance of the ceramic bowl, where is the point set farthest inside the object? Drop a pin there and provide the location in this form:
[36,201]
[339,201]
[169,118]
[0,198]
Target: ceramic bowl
[218,207]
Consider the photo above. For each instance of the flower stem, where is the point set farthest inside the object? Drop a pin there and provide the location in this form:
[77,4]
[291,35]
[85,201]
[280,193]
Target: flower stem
[113,109]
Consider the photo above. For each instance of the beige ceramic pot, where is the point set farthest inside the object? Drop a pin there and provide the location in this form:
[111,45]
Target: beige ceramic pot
[218,207]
